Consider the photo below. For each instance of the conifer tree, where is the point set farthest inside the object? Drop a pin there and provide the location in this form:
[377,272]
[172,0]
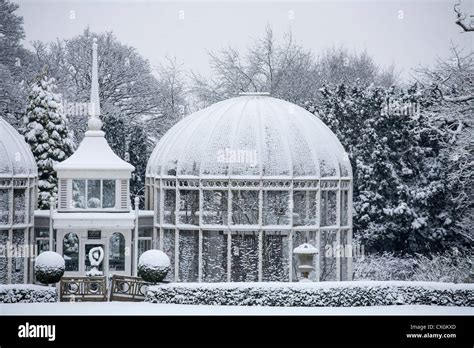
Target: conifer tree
[47,133]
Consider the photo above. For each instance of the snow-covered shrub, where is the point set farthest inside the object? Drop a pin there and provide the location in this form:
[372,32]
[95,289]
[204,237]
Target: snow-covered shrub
[153,266]
[49,267]
[385,266]
[321,294]
[27,293]
[452,267]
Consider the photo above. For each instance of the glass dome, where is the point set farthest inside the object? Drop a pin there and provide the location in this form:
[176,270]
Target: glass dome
[236,186]
[16,159]
[18,183]
[251,135]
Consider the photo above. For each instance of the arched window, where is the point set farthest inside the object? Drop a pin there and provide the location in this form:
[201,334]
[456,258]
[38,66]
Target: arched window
[117,252]
[71,252]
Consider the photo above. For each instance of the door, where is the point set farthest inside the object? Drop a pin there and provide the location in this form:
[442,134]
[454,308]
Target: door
[75,246]
[119,256]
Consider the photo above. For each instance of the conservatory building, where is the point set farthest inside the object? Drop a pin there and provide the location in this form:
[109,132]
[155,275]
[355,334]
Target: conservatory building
[237,186]
[231,192]
[18,186]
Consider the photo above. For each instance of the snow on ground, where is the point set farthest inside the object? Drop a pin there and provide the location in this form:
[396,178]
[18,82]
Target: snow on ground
[141,308]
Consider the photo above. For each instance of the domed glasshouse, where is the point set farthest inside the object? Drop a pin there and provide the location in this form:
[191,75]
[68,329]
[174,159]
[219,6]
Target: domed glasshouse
[18,182]
[236,186]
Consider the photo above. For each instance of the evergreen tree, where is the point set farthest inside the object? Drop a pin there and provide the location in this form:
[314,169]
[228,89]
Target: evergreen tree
[47,133]
[399,187]
[138,157]
[116,135]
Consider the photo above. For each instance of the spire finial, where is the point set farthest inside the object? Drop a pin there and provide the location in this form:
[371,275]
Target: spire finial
[94,110]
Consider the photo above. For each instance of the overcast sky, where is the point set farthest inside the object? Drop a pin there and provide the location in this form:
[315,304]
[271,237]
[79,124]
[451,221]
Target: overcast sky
[405,33]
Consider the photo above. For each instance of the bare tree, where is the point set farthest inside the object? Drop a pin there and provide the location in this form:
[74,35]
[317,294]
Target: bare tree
[461,18]
[286,70]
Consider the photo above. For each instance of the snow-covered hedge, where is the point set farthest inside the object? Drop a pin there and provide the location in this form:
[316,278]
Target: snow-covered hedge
[324,294]
[27,293]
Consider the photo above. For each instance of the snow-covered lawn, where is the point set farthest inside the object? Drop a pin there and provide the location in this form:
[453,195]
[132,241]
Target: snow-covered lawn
[140,308]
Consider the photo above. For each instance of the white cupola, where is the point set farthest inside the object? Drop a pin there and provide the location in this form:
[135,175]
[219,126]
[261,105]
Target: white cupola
[94,178]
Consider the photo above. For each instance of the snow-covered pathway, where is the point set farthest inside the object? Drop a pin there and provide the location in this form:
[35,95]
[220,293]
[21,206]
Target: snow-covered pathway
[140,308]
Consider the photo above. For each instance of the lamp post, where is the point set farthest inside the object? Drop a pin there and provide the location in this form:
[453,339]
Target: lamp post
[305,254]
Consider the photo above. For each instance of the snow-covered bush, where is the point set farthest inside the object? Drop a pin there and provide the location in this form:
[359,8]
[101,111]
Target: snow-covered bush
[27,293]
[322,294]
[49,267]
[385,266]
[153,266]
[453,267]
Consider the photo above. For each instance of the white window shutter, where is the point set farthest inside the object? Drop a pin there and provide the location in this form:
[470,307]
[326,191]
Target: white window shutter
[123,194]
[63,194]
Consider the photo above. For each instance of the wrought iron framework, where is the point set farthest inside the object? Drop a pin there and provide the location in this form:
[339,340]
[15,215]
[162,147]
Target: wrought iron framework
[305,199]
[17,205]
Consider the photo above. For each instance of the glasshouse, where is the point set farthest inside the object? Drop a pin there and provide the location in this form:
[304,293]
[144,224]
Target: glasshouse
[236,186]
[18,182]
[231,192]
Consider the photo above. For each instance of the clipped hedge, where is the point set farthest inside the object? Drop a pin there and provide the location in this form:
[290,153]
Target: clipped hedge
[325,294]
[25,293]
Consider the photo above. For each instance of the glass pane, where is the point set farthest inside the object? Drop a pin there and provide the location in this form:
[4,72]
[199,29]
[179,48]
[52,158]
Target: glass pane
[189,207]
[327,258]
[4,206]
[276,208]
[18,263]
[168,249]
[170,207]
[108,198]
[214,207]
[19,206]
[32,203]
[42,245]
[71,252]
[41,233]
[143,245]
[79,194]
[244,256]
[275,257]
[93,194]
[245,207]
[344,208]
[87,262]
[214,256]
[346,252]
[145,232]
[3,258]
[188,256]
[117,252]
[157,205]
[328,208]
[305,208]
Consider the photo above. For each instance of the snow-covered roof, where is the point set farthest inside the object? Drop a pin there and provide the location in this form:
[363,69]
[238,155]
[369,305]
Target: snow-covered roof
[305,248]
[94,154]
[16,159]
[253,135]
[94,157]
[92,220]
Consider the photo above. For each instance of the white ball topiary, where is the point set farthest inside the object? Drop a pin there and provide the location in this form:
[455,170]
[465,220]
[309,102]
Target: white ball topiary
[153,266]
[49,267]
